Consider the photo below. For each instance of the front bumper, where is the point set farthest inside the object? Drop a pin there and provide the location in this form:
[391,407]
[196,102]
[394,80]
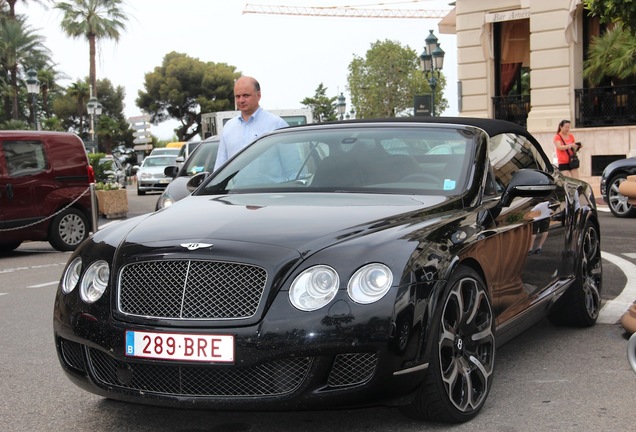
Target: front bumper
[289,360]
[153,184]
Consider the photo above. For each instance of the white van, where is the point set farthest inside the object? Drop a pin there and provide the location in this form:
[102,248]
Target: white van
[212,123]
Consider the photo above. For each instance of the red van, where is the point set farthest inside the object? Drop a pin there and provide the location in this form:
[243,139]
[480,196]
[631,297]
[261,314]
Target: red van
[44,189]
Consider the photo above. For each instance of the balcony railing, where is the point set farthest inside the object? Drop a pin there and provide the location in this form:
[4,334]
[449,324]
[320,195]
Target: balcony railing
[512,108]
[605,106]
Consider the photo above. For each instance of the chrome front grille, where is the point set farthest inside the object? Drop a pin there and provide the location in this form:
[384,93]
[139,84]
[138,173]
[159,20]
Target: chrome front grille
[191,289]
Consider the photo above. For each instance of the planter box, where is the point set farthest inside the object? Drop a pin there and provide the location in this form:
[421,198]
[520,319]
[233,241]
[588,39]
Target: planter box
[112,203]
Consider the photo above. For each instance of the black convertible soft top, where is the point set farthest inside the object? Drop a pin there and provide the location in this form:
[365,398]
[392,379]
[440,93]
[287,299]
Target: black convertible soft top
[491,126]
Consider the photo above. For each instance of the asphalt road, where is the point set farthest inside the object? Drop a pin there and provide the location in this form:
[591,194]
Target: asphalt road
[548,379]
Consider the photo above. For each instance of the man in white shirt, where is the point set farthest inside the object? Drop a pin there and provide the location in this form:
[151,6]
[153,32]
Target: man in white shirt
[250,124]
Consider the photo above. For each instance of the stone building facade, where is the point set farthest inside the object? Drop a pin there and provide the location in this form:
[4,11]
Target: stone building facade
[522,60]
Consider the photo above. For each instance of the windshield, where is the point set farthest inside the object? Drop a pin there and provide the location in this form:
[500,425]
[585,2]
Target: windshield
[202,160]
[152,161]
[374,159]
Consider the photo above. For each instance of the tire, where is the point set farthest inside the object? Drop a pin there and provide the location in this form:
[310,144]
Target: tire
[140,192]
[581,303]
[618,204]
[68,230]
[463,354]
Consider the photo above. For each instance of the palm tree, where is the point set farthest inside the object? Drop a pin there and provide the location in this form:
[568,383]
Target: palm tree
[80,91]
[12,3]
[20,47]
[48,77]
[93,19]
[611,55]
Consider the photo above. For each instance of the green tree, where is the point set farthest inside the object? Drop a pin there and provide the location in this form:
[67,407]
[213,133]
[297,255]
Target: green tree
[75,113]
[384,83]
[322,106]
[94,20]
[15,125]
[49,88]
[184,87]
[21,48]
[612,11]
[111,126]
[12,3]
[611,56]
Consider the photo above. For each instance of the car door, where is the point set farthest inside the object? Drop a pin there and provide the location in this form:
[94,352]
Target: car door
[25,181]
[531,229]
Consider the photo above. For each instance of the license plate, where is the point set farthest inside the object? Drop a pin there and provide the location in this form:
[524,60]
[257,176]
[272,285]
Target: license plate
[179,346]
[164,181]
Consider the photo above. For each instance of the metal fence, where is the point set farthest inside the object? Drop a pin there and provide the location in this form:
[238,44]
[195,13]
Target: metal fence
[512,108]
[605,106]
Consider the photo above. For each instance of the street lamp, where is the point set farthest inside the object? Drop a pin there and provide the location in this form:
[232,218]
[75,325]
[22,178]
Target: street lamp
[341,105]
[94,108]
[432,62]
[33,88]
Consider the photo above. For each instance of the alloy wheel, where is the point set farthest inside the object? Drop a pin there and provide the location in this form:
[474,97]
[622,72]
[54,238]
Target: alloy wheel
[618,202]
[72,229]
[590,268]
[466,345]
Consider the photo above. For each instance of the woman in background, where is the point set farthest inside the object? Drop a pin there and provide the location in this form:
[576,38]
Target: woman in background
[565,147]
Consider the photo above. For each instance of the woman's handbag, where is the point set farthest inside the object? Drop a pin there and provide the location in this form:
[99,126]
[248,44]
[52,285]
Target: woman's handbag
[574,161]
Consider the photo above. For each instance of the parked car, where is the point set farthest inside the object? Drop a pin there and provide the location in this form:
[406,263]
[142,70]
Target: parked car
[186,150]
[164,151]
[150,176]
[325,266]
[613,175]
[201,162]
[44,189]
[112,171]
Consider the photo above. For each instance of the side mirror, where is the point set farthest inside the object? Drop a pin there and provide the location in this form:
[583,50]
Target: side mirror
[528,183]
[171,171]
[135,168]
[196,181]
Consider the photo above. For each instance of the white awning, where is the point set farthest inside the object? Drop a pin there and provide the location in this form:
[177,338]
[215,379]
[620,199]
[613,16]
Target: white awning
[571,29]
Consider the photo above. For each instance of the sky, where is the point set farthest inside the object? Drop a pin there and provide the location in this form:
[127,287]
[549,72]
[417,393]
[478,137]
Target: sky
[289,55]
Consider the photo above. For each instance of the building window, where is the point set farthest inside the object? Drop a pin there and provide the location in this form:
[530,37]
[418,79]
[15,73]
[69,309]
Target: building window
[512,72]
[512,48]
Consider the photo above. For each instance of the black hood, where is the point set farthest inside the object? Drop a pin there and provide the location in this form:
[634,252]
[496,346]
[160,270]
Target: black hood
[283,220]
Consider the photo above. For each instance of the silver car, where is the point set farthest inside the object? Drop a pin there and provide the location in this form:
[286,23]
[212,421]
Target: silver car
[150,175]
[201,160]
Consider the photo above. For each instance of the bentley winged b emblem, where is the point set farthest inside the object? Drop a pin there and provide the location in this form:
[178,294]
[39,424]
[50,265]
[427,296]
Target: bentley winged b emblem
[195,246]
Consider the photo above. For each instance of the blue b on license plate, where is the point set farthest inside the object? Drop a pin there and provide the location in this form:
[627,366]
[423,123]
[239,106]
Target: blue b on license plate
[179,346]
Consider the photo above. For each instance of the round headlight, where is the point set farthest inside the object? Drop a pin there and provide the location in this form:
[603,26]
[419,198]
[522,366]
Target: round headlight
[166,201]
[314,288]
[370,283]
[95,281]
[71,275]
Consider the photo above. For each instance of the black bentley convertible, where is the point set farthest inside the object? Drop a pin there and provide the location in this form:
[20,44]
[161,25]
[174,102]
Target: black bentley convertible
[331,265]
